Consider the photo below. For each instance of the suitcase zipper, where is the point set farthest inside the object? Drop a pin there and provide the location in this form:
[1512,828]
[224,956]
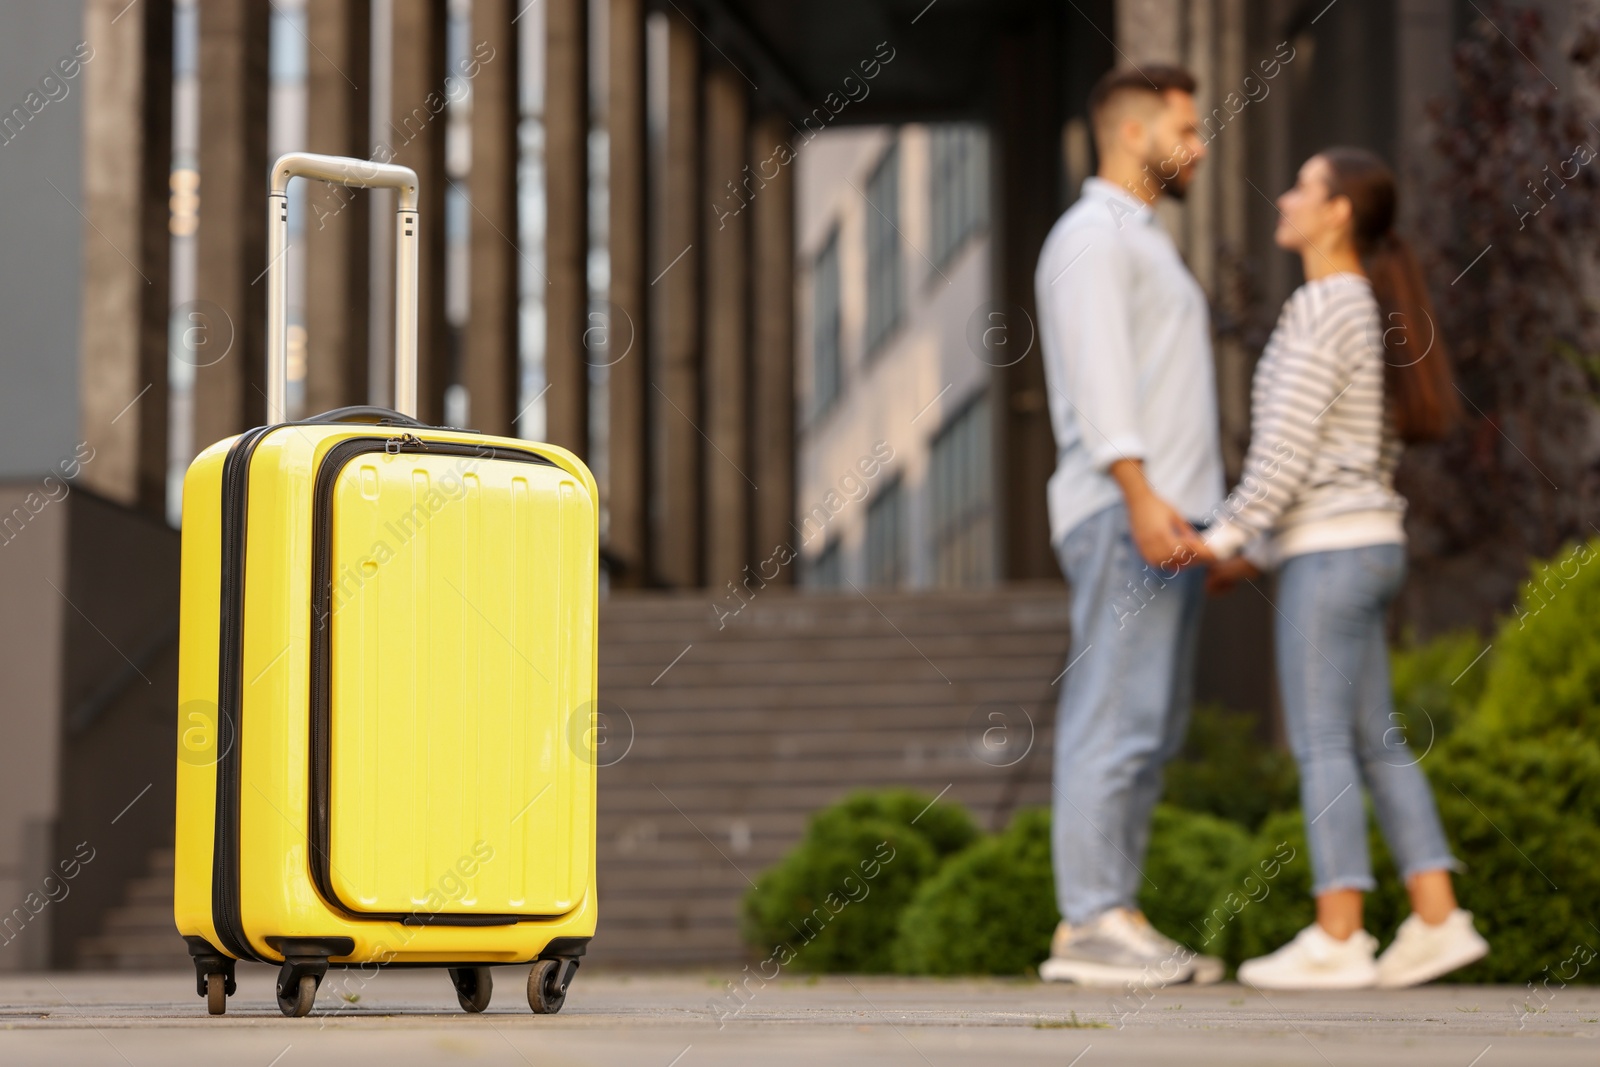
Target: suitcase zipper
[225,910]
[333,462]
[394,445]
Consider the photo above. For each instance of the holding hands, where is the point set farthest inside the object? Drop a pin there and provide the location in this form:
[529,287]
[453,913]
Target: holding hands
[1160,532]
[1164,537]
[1225,575]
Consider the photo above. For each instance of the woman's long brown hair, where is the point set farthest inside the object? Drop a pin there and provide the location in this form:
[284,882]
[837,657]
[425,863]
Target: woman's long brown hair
[1418,384]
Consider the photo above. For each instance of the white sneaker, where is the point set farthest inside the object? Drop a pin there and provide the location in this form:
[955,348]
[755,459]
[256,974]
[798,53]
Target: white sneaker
[1422,952]
[1315,960]
[1113,951]
[1207,970]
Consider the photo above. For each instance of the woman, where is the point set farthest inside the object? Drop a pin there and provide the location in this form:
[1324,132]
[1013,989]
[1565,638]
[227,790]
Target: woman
[1352,370]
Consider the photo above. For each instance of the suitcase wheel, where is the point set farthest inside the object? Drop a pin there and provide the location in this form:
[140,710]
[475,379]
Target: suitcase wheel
[213,975]
[301,996]
[474,986]
[305,961]
[216,993]
[547,984]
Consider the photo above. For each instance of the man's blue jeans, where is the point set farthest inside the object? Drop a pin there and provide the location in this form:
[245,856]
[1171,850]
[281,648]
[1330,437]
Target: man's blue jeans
[1333,665]
[1123,711]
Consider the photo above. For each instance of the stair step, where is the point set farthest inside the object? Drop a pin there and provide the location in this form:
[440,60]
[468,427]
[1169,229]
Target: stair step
[133,951]
[135,917]
[151,889]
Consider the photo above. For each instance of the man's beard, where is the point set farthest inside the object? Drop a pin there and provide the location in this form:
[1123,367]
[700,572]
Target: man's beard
[1175,186]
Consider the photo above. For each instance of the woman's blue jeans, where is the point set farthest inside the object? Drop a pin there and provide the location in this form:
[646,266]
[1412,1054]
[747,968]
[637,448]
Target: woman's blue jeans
[1333,666]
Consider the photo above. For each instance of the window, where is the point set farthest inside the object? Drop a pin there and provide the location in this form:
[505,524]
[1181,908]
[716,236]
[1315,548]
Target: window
[827,569]
[959,185]
[825,326]
[883,249]
[960,498]
[886,537]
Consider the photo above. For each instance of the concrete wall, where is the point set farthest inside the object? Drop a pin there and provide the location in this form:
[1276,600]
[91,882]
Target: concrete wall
[41,232]
[88,658]
[118,701]
[32,615]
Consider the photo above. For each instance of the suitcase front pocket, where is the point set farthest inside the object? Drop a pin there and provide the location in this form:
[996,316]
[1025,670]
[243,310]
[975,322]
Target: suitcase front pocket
[451,658]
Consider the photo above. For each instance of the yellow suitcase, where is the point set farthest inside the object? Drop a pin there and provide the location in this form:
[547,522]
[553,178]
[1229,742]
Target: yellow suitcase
[386,685]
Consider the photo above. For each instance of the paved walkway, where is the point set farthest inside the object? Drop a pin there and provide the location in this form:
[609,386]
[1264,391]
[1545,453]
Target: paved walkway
[401,1018]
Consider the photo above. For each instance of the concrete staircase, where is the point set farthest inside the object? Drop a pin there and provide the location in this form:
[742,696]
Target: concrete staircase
[741,733]
[721,741]
[138,935]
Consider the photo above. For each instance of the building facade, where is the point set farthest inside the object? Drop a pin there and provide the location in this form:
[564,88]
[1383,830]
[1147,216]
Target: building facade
[894,281]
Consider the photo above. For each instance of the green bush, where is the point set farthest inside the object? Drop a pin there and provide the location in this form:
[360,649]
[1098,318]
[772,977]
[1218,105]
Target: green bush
[1268,900]
[990,910]
[1546,673]
[1524,815]
[1226,769]
[1437,685]
[947,828]
[1192,859]
[835,900]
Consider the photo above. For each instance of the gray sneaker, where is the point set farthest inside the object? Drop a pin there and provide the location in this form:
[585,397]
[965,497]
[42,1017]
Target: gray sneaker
[1114,950]
[1208,970]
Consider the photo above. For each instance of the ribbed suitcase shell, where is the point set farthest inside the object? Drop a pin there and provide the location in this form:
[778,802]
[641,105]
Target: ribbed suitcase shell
[399,744]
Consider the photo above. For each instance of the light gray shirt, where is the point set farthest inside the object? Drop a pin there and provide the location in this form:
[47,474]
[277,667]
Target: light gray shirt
[1126,339]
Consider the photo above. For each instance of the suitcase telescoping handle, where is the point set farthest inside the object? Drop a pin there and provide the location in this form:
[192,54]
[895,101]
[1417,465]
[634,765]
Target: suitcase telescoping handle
[363,174]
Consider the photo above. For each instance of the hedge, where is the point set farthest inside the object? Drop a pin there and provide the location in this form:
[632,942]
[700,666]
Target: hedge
[1437,685]
[1524,816]
[1228,770]
[1193,860]
[1546,670]
[992,909]
[833,904]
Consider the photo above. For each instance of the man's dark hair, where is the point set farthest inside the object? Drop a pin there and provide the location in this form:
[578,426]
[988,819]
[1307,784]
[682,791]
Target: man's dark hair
[1157,79]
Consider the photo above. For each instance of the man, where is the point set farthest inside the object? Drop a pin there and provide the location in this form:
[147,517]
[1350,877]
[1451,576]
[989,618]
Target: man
[1127,350]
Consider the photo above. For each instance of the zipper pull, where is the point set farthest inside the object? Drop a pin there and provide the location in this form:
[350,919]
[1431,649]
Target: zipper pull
[394,444]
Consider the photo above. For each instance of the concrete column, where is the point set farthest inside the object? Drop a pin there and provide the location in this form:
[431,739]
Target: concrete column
[1153,31]
[127,157]
[726,391]
[490,367]
[772,434]
[1424,38]
[230,307]
[1198,238]
[1272,164]
[675,315]
[629,326]
[566,106]
[1028,114]
[415,138]
[337,222]
[1149,31]
[1231,194]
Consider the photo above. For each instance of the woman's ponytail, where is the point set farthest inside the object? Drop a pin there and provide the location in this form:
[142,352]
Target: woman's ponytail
[1418,385]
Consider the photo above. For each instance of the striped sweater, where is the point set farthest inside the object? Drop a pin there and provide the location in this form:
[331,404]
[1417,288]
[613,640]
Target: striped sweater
[1319,474]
